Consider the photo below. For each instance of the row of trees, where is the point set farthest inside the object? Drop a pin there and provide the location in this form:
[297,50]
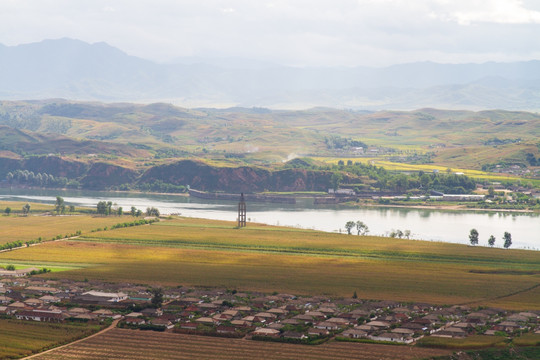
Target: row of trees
[105,208]
[25,177]
[507,237]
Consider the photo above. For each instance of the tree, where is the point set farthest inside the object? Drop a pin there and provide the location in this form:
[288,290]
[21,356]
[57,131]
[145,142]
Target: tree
[361,228]
[102,208]
[349,226]
[355,295]
[407,233]
[152,211]
[10,267]
[335,180]
[71,208]
[120,211]
[399,233]
[491,241]
[59,205]
[491,191]
[507,239]
[26,209]
[157,297]
[138,213]
[473,237]
[133,211]
[7,210]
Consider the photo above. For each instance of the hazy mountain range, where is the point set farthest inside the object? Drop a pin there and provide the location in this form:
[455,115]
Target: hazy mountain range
[73,69]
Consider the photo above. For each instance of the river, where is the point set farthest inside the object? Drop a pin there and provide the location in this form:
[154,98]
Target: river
[433,225]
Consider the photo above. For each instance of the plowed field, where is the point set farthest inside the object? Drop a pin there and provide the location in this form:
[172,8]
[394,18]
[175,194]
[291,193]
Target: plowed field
[131,344]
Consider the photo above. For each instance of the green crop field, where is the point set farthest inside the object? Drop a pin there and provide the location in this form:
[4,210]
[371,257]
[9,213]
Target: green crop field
[213,253]
[23,338]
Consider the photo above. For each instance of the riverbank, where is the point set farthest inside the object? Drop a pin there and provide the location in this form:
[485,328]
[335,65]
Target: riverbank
[454,207]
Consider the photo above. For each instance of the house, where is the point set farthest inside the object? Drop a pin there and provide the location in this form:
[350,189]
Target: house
[188,326]
[451,332]
[318,332]
[104,313]
[240,323]
[5,300]
[266,315]
[379,324]
[49,299]
[152,312]
[33,302]
[266,332]
[327,325]
[339,321]
[162,322]
[231,312]
[41,315]
[206,320]
[403,331]
[17,273]
[109,297]
[135,321]
[276,326]
[227,330]
[293,335]
[354,333]
[399,338]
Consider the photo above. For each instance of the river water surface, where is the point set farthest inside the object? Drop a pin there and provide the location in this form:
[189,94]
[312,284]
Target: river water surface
[433,225]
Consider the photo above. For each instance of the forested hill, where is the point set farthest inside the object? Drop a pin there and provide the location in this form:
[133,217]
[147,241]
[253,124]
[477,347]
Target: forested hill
[293,176]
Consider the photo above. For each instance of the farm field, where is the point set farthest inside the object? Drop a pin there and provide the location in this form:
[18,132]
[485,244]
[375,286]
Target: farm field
[396,166]
[32,227]
[195,252]
[23,338]
[130,344]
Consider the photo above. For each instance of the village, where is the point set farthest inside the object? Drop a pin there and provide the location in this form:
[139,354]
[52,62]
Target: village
[250,315]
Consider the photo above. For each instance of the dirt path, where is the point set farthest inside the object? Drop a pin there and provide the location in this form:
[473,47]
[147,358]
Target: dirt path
[112,326]
[502,296]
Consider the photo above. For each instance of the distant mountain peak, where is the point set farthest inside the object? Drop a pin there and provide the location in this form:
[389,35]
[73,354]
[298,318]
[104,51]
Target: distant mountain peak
[75,69]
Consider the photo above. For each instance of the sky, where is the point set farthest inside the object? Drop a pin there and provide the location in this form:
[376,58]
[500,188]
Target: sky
[302,33]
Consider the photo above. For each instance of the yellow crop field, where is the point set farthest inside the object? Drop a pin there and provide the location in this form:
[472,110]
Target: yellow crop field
[265,258]
[16,206]
[26,228]
[389,165]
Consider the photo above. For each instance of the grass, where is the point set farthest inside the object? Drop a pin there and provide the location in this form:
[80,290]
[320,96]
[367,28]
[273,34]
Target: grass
[22,338]
[530,339]
[212,253]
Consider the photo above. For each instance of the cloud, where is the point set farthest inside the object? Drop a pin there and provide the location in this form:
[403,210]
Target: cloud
[300,32]
[494,11]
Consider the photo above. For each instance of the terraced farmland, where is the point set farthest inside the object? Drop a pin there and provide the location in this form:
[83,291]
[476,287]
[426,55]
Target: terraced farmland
[130,344]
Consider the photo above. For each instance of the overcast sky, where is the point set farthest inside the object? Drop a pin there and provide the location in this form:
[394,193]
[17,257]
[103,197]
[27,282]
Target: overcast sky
[300,33]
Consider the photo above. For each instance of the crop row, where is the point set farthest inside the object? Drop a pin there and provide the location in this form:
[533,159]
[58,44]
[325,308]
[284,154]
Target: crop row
[143,345]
